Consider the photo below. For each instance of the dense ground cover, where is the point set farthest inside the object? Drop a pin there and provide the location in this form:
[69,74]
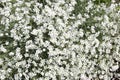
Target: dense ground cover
[59,40]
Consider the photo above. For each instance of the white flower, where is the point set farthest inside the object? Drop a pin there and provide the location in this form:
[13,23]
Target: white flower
[103,64]
[9,70]
[2,48]
[84,77]
[6,43]
[90,6]
[31,74]
[11,54]
[34,32]
[2,77]
[18,55]
[70,40]
[81,32]
[1,34]
[93,29]
[17,64]
[1,61]
[16,77]
[114,67]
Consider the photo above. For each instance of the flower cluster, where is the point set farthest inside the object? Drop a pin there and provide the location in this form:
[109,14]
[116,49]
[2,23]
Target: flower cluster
[59,40]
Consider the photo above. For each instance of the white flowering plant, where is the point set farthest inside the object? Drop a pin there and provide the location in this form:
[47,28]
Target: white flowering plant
[59,40]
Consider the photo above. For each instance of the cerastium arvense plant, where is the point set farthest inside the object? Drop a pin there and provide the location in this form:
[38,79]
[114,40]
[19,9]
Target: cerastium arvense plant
[59,40]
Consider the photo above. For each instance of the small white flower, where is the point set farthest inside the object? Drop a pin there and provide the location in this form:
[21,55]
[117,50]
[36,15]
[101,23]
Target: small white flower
[1,34]
[17,64]
[2,48]
[2,77]
[81,32]
[31,74]
[34,32]
[84,77]
[115,67]
[9,70]
[18,56]
[11,54]
[1,61]
[26,55]
[6,43]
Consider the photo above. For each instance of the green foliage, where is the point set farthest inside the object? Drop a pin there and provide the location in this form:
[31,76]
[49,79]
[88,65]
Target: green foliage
[79,7]
[102,1]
